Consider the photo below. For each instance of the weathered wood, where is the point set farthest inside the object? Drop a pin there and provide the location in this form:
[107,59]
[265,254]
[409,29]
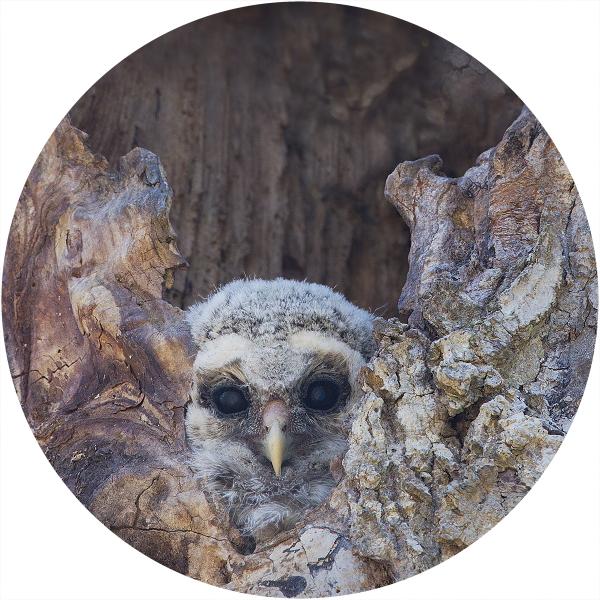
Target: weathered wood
[463,408]
[278,124]
[100,361]
[466,405]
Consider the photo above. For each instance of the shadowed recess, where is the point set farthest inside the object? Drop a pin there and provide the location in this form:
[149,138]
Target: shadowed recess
[277,126]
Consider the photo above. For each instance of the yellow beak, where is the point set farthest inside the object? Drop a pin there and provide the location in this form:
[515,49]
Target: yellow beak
[274,445]
[274,417]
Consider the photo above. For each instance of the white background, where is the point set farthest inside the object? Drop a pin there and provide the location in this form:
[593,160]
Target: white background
[51,547]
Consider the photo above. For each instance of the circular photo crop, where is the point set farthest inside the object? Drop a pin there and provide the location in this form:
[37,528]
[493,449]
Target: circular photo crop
[299,300]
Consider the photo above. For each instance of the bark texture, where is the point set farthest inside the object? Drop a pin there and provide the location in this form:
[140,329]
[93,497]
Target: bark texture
[278,124]
[464,405]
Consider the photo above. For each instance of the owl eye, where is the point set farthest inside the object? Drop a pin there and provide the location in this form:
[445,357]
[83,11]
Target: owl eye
[230,399]
[322,394]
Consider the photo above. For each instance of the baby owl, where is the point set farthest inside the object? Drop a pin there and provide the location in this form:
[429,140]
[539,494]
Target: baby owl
[274,381]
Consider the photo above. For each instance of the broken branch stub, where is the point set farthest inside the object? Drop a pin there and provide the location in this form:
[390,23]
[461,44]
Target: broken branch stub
[463,408]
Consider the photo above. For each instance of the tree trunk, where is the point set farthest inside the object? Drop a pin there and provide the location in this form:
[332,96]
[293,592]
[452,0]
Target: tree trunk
[278,124]
[463,408]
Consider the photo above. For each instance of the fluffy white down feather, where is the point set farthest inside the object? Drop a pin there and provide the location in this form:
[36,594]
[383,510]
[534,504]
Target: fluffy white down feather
[258,308]
[271,334]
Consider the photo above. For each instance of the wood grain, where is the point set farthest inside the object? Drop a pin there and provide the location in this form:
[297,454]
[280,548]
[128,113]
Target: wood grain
[278,125]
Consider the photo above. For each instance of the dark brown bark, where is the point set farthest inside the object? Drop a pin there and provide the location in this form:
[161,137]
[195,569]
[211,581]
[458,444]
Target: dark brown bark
[278,125]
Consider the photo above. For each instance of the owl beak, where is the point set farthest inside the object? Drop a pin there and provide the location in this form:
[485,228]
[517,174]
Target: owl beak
[274,419]
[274,447]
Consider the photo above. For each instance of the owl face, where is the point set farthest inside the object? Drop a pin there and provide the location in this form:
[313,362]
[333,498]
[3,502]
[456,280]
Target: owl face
[268,411]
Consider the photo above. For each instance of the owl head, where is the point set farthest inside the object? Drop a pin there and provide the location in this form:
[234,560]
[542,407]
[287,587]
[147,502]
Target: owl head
[274,381]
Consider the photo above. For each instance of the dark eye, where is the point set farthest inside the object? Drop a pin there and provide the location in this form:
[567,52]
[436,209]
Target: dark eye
[323,394]
[230,399]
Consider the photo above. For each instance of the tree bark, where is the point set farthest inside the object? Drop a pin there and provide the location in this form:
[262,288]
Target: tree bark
[278,124]
[463,406]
